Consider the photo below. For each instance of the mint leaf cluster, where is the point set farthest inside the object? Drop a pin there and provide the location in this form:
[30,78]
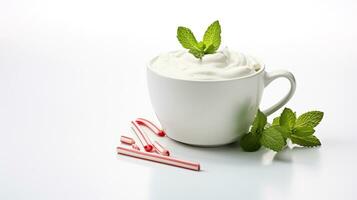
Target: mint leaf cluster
[209,45]
[287,126]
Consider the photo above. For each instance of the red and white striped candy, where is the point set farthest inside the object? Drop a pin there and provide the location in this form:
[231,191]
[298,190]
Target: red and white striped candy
[127,140]
[135,146]
[160,149]
[151,126]
[158,158]
[144,139]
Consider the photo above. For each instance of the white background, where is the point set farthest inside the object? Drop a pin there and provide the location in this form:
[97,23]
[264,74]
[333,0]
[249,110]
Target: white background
[72,76]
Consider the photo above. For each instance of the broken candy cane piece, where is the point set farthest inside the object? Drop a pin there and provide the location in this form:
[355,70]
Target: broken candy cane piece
[127,140]
[158,158]
[144,139]
[151,126]
[135,146]
[160,149]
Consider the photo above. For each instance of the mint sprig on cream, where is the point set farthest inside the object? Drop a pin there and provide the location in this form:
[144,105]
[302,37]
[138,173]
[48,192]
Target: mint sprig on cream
[285,127]
[209,45]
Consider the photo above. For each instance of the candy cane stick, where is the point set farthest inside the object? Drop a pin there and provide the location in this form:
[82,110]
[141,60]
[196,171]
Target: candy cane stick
[160,149]
[135,146]
[158,158]
[127,140]
[137,143]
[151,126]
[144,139]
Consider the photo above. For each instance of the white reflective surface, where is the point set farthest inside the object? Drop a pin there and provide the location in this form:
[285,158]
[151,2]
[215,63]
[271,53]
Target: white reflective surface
[72,77]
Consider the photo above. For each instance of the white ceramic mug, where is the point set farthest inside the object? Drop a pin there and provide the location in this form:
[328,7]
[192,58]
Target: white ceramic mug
[213,112]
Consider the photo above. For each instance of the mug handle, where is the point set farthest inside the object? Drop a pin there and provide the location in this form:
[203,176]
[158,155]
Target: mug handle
[271,76]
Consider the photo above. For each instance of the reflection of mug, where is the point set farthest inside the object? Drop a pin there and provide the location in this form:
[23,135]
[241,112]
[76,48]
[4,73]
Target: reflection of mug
[211,112]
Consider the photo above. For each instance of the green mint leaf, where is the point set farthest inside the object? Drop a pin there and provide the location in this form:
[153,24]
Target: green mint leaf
[250,142]
[276,121]
[197,53]
[210,49]
[283,131]
[186,38]
[272,139]
[267,125]
[308,141]
[212,35]
[259,122]
[287,118]
[309,119]
[303,131]
[209,45]
[201,46]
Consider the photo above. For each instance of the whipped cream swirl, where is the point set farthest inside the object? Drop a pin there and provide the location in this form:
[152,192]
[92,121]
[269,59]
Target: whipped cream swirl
[218,66]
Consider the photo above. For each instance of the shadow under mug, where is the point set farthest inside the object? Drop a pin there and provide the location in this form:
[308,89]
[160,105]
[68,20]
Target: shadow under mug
[211,112]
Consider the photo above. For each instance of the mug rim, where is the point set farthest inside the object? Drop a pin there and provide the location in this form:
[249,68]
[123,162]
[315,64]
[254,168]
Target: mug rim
[262,69]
